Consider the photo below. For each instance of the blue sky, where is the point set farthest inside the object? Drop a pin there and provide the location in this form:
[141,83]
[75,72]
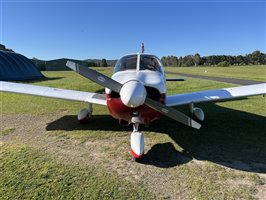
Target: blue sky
[109,29]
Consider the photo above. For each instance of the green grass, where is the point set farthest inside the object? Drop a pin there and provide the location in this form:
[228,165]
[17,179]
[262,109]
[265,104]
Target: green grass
[211,183]
[233,132]
[27,173]
[6,131]
[257,72]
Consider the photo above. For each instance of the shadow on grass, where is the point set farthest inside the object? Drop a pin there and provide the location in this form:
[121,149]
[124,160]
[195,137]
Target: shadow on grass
[165,156]
[40,80]
[100,91]
[230,138]
[97,122]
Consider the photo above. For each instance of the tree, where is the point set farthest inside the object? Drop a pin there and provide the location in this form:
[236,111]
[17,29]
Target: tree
[196,59]
[180,60]
[3,47]
[170,61]
[92,64]
[240,60]
[187,61]
[104,63]
[164,60]
[173,61]
[223,64]
[255,58]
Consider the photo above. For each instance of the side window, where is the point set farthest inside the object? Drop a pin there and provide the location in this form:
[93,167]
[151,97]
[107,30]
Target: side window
[117,66]
[148,62]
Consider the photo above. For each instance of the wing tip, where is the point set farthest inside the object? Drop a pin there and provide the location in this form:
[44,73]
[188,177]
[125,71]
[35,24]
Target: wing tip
[195,124]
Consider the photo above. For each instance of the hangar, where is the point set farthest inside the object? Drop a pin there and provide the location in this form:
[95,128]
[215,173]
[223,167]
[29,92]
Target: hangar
[16,67]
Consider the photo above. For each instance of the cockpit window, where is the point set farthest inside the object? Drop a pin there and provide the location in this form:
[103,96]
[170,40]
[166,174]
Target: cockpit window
[126,63]
[149,62]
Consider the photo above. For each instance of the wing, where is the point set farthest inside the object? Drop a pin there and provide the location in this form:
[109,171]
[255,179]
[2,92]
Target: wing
[216,95]
[53,92]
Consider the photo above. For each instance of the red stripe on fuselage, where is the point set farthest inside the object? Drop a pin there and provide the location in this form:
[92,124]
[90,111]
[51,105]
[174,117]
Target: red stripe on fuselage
[119,111]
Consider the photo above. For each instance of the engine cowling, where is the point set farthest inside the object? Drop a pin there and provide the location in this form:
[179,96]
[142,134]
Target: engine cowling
[133,94]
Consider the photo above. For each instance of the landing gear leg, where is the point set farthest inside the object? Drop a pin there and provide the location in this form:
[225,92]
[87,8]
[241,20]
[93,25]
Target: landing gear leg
[136,143]
[135,127]
[85,114]
[191,109]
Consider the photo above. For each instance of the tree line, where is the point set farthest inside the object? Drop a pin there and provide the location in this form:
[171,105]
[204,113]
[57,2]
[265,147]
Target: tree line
[103,63]
[255,58]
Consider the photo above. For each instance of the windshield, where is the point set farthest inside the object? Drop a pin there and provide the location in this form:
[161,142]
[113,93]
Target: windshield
[147,62]
[126,63]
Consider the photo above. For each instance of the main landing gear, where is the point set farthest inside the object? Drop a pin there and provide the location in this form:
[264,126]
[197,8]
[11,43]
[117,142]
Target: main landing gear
[137,143]
[84,114]
[196,113]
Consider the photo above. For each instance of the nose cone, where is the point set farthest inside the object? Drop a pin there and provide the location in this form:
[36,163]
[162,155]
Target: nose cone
[133,94]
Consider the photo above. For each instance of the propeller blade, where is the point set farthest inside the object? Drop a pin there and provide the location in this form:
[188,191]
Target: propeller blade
[95,76]
[172,113]
[107,82]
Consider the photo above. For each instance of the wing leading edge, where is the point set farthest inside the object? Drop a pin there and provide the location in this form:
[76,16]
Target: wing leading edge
[53,92]
[216,95]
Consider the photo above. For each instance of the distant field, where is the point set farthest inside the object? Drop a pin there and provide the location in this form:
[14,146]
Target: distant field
[46,153]
[257,73]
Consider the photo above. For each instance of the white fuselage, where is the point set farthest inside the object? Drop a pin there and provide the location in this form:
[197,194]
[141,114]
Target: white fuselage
[147,78]
[139,81]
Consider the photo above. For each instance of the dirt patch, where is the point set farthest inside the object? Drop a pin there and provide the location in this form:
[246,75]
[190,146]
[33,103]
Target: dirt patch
[261,192]
[112,154]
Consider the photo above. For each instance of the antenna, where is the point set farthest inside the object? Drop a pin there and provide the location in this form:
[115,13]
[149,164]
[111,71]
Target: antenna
[142,47]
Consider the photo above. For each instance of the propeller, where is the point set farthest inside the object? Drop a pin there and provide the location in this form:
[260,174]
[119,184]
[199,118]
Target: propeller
[113,85]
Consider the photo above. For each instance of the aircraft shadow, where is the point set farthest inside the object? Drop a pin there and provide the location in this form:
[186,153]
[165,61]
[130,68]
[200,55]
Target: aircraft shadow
[101,91]
[97,122]
[40,80]
[165,155]
[228,137]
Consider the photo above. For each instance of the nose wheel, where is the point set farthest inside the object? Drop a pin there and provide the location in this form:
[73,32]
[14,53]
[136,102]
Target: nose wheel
[137,143]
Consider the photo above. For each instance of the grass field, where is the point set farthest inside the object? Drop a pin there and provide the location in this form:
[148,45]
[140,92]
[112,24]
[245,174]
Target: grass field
[45,153]
[256,73]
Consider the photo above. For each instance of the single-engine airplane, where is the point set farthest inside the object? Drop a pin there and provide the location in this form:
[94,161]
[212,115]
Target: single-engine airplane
[136,94]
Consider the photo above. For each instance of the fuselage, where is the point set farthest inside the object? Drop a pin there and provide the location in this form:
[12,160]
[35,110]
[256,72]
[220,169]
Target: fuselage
[141,75]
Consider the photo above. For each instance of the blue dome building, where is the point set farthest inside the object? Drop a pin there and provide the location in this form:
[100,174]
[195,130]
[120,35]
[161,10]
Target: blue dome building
[16,67]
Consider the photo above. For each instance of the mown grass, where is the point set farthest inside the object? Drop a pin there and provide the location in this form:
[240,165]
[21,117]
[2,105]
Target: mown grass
[6,131]
[27,173]
[233,133]
[215,182]
[257,72]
